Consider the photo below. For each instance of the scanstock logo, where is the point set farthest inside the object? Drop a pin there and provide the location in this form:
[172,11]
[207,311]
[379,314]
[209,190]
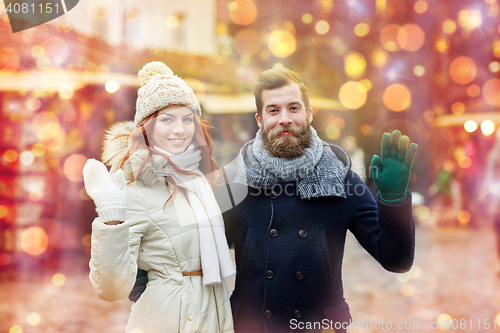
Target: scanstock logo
[25,14]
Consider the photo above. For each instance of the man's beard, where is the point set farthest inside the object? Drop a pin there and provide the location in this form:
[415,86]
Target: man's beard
[289,146]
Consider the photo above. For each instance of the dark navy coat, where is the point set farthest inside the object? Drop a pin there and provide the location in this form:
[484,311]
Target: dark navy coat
[289,252]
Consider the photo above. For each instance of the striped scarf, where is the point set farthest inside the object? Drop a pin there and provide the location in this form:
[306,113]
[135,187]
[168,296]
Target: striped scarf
[318,173]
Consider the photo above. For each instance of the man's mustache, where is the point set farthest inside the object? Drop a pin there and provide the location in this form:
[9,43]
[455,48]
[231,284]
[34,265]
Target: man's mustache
[277,131]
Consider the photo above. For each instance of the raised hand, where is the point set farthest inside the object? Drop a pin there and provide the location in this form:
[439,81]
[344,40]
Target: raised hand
[108,192]
[391,172]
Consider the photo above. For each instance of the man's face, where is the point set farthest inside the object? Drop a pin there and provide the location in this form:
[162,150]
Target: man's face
[285,122]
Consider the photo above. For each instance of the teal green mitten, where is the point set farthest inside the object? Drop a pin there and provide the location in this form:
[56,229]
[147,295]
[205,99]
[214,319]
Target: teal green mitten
[391,172]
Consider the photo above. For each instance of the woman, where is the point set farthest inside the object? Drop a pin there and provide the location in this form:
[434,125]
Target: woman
[157,212]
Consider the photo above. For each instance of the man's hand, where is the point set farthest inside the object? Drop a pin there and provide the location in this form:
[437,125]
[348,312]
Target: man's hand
[139,286]
[391,172]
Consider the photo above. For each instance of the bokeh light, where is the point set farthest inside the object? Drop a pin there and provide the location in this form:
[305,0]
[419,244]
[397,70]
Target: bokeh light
[33,319]
[352,95]
[449,27]
[83,194]
[232,5]
[3,211]
[411,37]
[389,37]
[464,162]
[37,51]
[73,167]
[470,18]
[470,126]
[491,92]
[34,104]
[473,90]
[419,70]
[421,212]
[172,21]
[38,149]
[53,136]
[458,108]
[10,155]
[488,127]
[365,130]
[404,277]
[16,329]
[281,43]
[86,240]
[442,44]
[247,42]
[367,84]
[43,63]
[112,86]
[34,241]
[361,29]
[379,58]
[463,70]
[407,289]
[66,91]
[494,66]
[332,132]
[243,12]
[339,123]
[397,97]
[444,321]
[307,18]
[415,272]
[496,48]
[322,27]
[463,217]
[420,6]
[58,279]
[26,158]
[354,65]
[41,119]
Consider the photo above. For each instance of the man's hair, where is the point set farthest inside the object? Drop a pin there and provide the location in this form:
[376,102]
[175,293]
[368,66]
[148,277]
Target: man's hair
[277,78]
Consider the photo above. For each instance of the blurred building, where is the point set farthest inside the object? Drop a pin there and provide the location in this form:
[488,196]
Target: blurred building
[188,25]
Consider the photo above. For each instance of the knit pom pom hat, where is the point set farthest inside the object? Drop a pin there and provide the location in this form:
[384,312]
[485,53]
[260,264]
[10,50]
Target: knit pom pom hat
[161,88]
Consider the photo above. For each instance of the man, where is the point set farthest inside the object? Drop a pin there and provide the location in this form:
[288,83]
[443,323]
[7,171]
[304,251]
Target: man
[289,231]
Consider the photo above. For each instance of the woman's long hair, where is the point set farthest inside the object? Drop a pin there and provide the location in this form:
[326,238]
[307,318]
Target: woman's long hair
[142,136]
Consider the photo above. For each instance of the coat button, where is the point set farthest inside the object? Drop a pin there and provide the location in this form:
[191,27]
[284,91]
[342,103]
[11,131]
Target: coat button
[302,234]
[273,232]
[273,195]
[297,314]
[299,275]
[269,274]
[190,317]
[268,314]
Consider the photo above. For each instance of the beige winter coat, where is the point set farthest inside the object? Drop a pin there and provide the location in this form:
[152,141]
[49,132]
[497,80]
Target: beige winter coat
[164,241]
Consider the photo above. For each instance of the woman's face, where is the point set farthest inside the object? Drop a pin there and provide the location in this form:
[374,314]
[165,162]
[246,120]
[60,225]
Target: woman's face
[174,129]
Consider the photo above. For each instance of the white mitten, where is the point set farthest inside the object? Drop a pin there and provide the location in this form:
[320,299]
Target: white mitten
[108,192]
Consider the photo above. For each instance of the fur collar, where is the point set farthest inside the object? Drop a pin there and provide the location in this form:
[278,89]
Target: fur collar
[155,170]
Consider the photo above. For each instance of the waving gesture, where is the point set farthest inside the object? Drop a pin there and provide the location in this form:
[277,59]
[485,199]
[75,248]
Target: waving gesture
[391,172]
[108,192]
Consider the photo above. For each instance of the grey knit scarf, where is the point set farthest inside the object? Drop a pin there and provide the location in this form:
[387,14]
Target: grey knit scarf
[319,172]
[288,169]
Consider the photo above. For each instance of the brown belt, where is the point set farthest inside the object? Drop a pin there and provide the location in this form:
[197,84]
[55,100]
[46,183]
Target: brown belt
[192,273]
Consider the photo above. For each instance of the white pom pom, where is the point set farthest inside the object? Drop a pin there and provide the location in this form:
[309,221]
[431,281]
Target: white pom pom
[152,69]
